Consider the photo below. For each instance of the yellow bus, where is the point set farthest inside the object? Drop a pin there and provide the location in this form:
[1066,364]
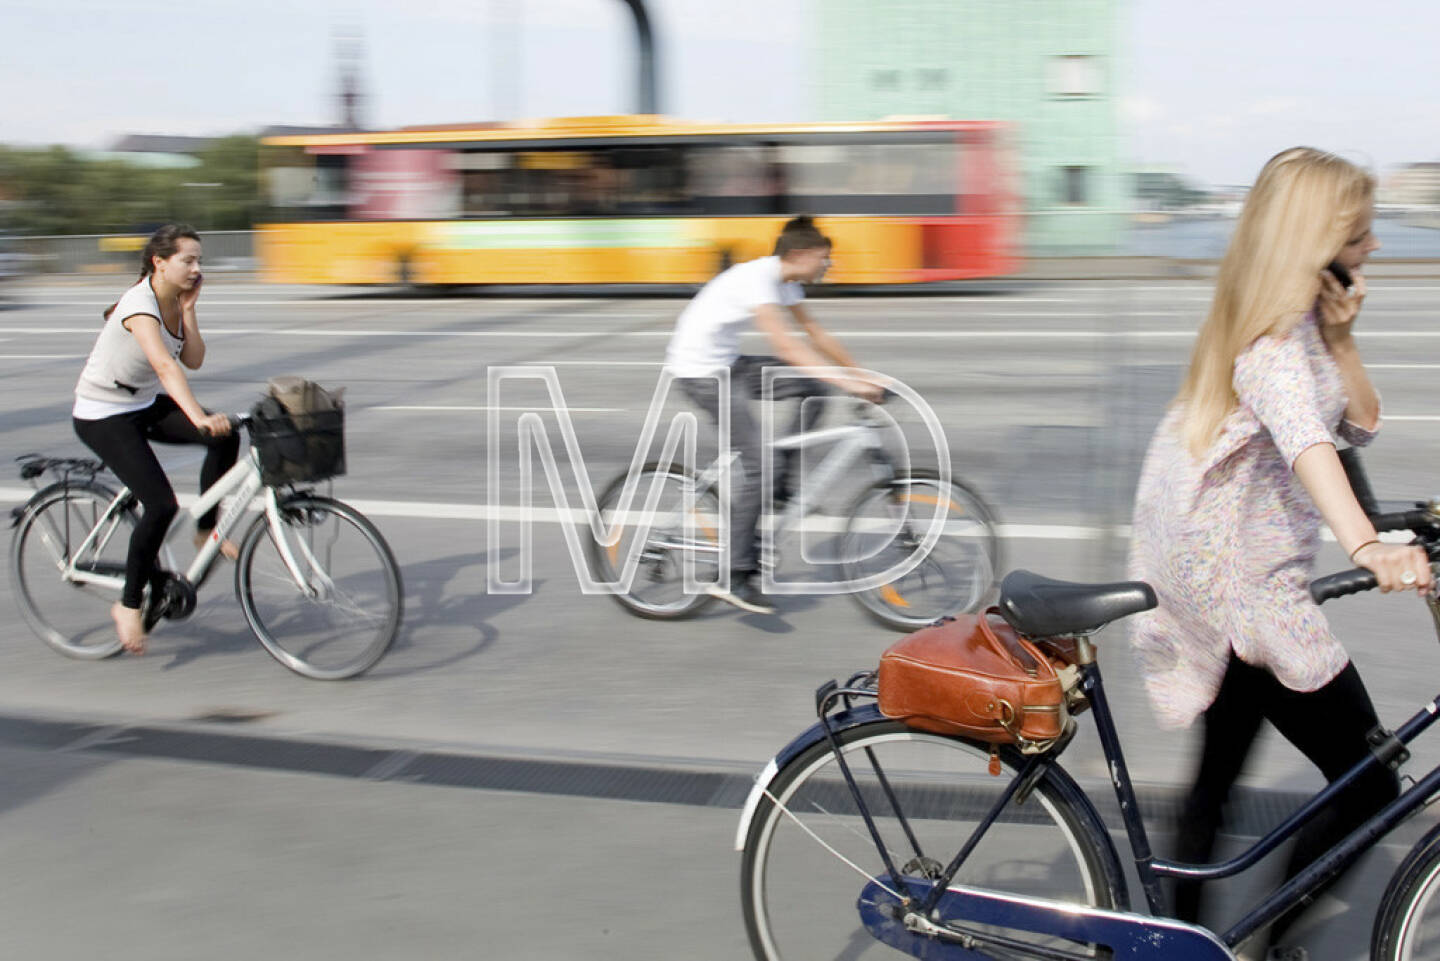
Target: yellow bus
[634,200]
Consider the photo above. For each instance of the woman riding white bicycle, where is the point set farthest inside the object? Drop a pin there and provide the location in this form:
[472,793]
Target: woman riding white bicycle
[133,391]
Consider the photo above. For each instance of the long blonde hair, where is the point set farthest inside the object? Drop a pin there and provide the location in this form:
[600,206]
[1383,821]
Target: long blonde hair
[1297,218]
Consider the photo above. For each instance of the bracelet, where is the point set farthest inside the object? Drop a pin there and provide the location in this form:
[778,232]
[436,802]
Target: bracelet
[1361,548]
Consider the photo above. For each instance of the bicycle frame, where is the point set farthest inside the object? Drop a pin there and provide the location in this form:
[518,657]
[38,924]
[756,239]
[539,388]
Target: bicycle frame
[242,480]
[1387,749]
[851,442]
[911,913]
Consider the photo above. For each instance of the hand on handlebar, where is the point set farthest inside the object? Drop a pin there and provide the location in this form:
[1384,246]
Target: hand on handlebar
[217,425]
[866,390]
[1397,567]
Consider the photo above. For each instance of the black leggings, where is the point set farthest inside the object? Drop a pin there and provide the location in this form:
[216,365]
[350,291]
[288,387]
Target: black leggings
[122,441]
[1328,726]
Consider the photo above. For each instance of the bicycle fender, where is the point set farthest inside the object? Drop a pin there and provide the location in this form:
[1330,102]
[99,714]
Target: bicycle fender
[814,734]
[17,514]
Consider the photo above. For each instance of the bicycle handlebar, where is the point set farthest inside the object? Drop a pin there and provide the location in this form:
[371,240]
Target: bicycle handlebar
[1349,582]
[1422,521]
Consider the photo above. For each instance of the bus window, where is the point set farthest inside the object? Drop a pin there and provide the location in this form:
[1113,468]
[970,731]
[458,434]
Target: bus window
[482,182]
[728,181]
[404,184]
[303,186]
[874,178]
[651,181]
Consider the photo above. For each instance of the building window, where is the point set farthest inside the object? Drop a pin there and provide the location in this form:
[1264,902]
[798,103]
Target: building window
[886,79]
[1077,76]
[932,78]
[1075,185]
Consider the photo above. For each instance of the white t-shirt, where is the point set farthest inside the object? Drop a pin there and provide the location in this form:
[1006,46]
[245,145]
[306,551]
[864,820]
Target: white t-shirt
[707,335]
[118,358]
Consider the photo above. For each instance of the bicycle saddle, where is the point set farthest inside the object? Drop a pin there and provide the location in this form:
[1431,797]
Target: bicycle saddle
[1044,607]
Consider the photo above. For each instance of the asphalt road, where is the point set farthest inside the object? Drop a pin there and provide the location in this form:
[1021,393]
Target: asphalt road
[1046,394]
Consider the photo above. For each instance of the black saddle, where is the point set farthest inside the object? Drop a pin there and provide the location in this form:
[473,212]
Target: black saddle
[1043,607]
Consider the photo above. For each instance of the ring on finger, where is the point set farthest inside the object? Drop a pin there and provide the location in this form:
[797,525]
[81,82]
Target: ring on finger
[1408,578]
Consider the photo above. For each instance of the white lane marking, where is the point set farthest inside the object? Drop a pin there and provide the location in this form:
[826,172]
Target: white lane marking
[425,510]
[459,408]
[667,331]
[551,515]
[462,407]
[365,304]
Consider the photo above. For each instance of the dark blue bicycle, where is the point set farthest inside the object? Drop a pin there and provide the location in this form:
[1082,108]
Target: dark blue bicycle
[864,837]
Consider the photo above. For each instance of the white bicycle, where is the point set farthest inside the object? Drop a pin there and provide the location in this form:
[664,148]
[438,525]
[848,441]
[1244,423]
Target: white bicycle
[316,581]
[667,518]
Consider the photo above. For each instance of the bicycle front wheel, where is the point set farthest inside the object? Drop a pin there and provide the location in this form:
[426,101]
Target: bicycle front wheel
[71,616]
[809,853]
[1407,925]
[888,523]
[337,610]
[653,549]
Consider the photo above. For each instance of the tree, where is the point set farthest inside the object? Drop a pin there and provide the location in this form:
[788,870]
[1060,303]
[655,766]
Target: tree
[53,190]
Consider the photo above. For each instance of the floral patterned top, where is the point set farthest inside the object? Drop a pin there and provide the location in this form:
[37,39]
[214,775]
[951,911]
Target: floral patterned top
[1229,541]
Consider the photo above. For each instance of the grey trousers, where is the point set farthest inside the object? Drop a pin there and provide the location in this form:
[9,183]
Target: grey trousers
[746,381]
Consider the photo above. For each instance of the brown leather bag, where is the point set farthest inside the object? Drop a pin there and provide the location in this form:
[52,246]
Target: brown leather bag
[975,676]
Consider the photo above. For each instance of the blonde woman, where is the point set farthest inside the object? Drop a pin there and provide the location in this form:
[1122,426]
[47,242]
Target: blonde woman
[1236,482]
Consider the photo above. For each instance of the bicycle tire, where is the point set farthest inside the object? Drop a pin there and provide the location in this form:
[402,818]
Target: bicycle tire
[654,597]
[1407,923]
[355,611]
[956,577]
[940,782]
[76,621]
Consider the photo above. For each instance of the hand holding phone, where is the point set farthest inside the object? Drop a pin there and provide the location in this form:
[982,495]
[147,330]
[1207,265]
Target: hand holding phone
[1341,274]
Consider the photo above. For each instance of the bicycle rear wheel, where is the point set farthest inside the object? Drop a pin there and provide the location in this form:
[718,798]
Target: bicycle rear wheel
[347,613]
[799,893]
[72,617]
[680,530]
[887,524]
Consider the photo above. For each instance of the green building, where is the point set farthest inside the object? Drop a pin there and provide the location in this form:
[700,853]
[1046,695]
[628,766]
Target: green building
[1050,67]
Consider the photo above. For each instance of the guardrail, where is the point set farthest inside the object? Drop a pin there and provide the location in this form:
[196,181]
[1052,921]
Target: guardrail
[120,253]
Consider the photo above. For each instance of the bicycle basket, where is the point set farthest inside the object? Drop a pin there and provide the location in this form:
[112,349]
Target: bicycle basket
[297,448]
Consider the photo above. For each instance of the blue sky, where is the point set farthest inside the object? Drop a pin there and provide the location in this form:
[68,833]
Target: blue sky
[1212,89]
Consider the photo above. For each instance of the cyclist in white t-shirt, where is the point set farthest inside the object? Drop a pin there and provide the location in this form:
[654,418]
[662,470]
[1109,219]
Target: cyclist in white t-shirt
[133,391]
[707,341]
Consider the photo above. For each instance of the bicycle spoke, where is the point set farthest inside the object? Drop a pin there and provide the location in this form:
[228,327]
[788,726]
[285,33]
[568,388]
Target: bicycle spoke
[73,617]
[338,611]
[821,841]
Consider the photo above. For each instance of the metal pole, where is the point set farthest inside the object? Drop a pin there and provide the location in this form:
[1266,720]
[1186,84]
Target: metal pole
[647,94]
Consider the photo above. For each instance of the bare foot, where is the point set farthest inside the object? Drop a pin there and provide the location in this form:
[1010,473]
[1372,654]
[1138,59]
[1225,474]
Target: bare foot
[129,626]
[228,548]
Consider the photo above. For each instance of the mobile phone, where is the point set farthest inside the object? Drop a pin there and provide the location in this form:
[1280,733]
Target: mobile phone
[1341,274]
